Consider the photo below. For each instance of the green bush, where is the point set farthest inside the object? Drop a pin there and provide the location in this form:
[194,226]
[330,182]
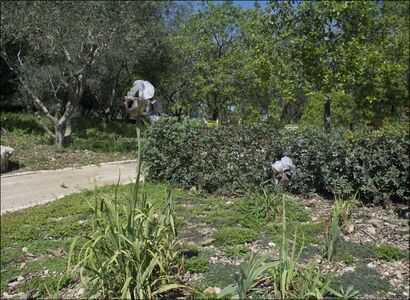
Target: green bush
[229,160]
[387,252]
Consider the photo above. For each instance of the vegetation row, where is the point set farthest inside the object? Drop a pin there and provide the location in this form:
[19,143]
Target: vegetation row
[230,160]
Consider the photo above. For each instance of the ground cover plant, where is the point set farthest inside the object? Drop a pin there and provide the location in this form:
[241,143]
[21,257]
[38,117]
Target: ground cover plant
[35,256]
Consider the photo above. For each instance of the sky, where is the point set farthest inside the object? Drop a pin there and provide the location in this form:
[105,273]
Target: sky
[244,4]
[250,4]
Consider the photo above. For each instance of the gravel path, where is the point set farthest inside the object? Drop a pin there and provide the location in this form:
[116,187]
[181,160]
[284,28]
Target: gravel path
[21,190]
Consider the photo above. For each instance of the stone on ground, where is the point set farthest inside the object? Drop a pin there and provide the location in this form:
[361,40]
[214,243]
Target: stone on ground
[6,152]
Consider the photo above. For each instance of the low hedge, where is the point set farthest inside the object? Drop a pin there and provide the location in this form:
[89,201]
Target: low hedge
[229,160]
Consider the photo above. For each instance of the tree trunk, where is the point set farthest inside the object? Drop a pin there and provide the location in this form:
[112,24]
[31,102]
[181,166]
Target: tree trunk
[62,133]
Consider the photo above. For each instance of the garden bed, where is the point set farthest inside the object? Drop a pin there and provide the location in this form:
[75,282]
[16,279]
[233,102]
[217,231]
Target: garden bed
[217,235]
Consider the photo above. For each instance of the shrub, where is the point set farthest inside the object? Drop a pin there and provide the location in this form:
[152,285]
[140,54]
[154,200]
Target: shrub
[230,160]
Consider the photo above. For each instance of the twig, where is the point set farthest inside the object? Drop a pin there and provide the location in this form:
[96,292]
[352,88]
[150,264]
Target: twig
[368,234]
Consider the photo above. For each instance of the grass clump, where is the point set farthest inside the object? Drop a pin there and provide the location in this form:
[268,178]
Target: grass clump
[237,251]
[387,252]
[234,236]
[347,259]
[197,264]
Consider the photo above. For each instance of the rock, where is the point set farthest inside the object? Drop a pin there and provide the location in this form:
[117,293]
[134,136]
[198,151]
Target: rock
[207,242]
[375,222]
[24,249]
[13,284]
[349,269]
[349,228]
[371,230]
[6,152]
[212,290]
[20,278]
[80,292]
[271,244]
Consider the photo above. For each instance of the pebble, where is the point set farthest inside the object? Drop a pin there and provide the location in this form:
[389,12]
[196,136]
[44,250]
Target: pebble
[207,242]
[13,284]
[20,278]
[271,244]
[212,290]
[371,230]
[80,292]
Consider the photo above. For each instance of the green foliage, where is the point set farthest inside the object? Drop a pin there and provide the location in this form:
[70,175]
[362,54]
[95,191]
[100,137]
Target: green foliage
[237,251]
[231,159]
[312,283]
[19,121]
[387,252]
[284,275]
[196,264]
[85,57]
[248,277]
[132,250]
[333,231]
[234,236]
[347,259]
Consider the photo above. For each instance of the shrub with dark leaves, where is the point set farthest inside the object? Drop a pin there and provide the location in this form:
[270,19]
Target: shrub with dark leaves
[229,160]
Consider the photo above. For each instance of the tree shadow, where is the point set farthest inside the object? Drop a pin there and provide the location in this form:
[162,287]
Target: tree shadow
[14,166]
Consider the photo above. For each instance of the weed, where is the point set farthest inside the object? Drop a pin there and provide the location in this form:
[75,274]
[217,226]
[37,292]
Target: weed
[332,233]
[346,207]
[222,217]
[234,236]
[249,275]
[347,259]
[196,264]
[283,276]
[312,283]
[387,252]
[237,251]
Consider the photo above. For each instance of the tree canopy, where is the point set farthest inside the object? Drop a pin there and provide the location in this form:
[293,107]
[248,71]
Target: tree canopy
[277,63]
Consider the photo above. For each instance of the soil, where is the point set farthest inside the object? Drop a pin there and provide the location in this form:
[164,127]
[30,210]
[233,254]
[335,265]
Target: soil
[45,157]
[369,225]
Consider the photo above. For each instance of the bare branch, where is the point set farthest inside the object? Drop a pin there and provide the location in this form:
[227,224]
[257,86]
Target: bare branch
[47,130]
[27,88]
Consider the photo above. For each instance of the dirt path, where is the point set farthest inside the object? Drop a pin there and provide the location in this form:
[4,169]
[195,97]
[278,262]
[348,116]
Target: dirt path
[21,190]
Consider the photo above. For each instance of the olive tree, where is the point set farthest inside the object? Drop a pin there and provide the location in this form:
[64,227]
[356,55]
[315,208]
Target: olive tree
[59,45]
